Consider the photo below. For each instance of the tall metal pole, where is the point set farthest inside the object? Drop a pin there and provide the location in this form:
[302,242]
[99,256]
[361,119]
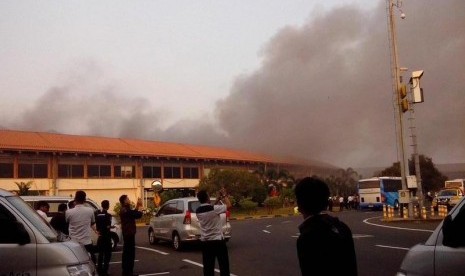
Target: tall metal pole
[396,79]
[396,85]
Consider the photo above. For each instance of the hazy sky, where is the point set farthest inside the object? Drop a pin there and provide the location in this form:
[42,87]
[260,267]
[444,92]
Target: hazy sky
[309,79]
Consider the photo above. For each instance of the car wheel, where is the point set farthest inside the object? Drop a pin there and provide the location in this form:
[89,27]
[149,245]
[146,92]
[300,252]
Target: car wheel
[176,242]
[114,240]
[152,238]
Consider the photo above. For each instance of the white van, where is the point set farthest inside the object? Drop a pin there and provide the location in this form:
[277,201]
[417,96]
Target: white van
[30,246]
[54,201]
[444,251]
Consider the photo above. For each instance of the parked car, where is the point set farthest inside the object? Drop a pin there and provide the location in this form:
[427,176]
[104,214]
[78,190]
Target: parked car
[29,245]
[176,222]
[54,201]
[444,251]
[448,197]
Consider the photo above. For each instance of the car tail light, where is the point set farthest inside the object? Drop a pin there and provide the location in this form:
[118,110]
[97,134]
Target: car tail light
[228,215]
[187,218]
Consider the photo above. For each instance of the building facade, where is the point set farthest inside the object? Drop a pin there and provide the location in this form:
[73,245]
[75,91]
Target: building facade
[57,164]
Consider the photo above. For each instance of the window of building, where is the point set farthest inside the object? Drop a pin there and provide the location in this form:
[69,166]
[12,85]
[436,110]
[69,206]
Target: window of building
[6,170]
[125,171]
[70,171]
[190,172]
[32,171]
[99,171]
[171,172]
[151,172]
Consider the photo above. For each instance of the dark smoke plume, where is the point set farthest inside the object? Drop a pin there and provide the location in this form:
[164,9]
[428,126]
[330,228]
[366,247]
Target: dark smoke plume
[322,92]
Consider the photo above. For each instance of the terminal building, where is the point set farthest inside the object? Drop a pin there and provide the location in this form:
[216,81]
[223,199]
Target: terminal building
[60,164]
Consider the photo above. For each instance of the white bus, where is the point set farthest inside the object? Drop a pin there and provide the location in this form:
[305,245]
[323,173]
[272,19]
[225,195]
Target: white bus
[378,191]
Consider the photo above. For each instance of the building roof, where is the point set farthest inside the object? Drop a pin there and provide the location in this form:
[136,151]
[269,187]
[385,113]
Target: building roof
[11,140]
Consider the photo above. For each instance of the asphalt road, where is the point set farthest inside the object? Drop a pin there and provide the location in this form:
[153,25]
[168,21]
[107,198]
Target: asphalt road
[268,247]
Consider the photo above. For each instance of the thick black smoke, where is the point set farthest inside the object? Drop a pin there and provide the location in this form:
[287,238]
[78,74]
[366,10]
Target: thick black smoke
[323,92]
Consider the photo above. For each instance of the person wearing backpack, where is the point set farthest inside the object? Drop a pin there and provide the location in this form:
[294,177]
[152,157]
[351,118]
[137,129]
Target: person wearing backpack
[325,244]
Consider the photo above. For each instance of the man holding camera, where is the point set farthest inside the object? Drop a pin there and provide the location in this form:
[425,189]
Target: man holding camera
[211,232]
[128,218]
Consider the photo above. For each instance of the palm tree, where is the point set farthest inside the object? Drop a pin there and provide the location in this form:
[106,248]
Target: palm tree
[24,187]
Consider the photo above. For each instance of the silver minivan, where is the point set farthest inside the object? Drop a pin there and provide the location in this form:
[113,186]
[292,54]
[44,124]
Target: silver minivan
[177,222]
[30,246]
[444,251]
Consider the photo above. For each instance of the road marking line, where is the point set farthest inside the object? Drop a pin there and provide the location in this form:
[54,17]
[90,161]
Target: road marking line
[159,273]
[395,227]
[356,236]
[201,265]
[151,249]
[120,262]
[268,226]
[266,231]
[392,247]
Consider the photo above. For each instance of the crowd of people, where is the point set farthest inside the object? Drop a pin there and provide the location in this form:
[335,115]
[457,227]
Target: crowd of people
[77,221]
[350,202]
[321,235]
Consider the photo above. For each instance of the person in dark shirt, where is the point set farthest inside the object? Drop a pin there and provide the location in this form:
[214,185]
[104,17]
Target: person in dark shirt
[128,218]
[325,244]
[58,222]
[103,223]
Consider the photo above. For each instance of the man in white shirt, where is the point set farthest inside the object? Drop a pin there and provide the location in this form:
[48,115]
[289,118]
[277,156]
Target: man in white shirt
[81,221]
[211,232]
[43,208]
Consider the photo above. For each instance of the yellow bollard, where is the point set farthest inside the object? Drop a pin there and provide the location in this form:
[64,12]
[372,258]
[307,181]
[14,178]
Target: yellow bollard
[432,211]
[442,211]
[384,211]
[391,211]
[405,211]
[415,212]
[423,212]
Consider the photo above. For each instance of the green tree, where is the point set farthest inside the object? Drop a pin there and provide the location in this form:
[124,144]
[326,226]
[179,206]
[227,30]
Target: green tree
[344,182]
[239,184]
[169,194]
[431,178]
[273,177]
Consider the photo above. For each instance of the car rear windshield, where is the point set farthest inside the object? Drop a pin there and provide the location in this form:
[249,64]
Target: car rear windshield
[447,193]
[193,205]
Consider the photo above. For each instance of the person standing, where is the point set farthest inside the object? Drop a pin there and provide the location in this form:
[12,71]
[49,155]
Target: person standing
[211,232]
[58,222]
[128,218]
[325,243]
[42,208]
[103,223]
[81,222]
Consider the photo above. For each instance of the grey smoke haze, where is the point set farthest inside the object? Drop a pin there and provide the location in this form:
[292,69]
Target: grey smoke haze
[323,92]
